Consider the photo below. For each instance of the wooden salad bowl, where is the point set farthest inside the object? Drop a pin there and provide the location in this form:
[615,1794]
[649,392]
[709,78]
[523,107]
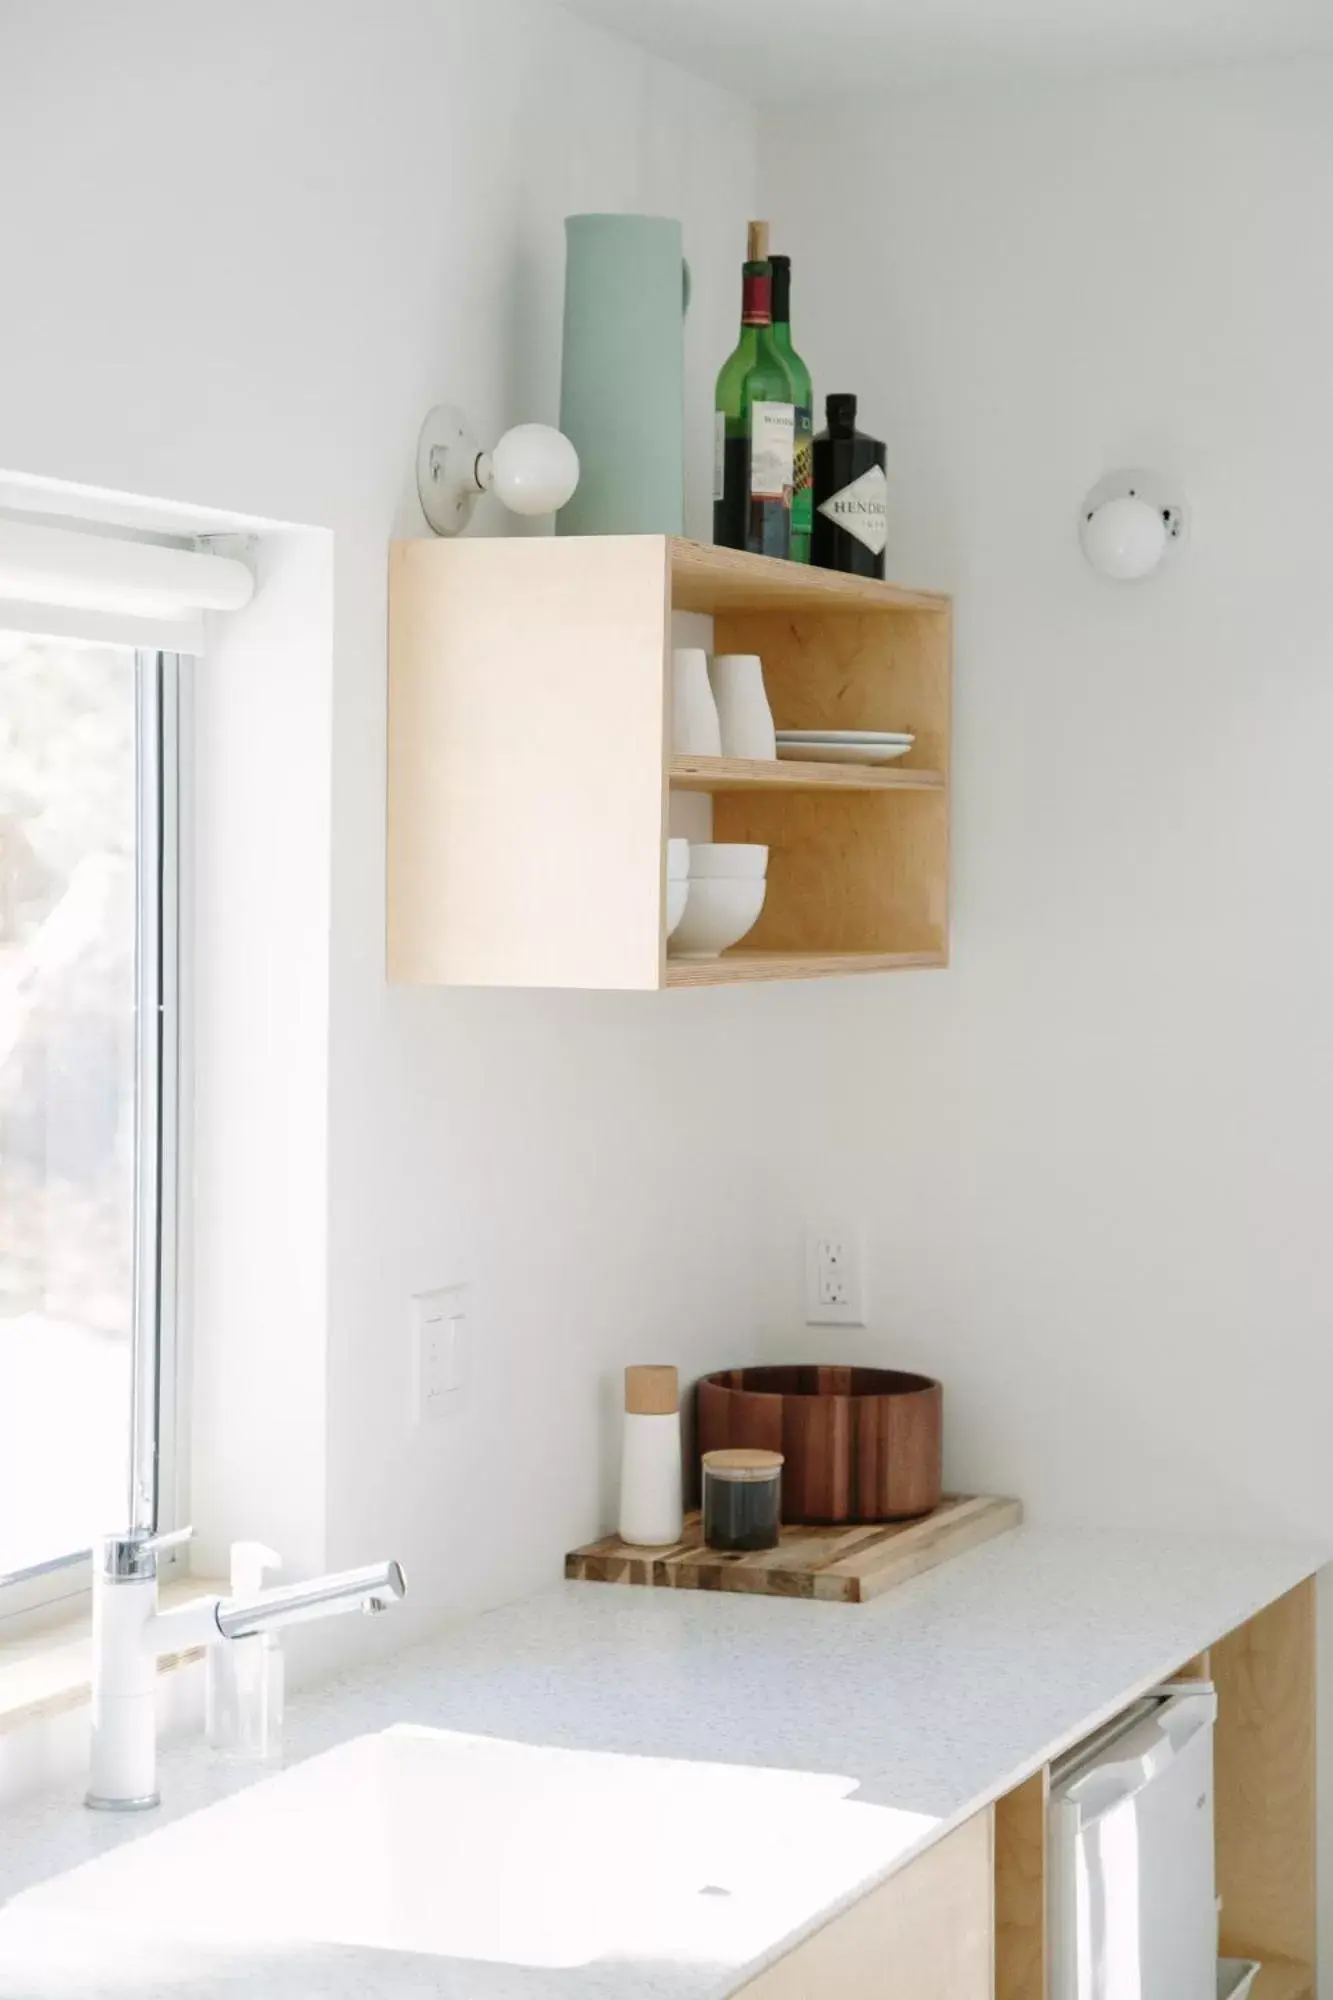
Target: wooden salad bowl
[859,1444]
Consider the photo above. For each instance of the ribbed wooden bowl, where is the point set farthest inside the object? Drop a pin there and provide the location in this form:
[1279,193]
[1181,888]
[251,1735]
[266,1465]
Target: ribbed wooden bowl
[860,1444]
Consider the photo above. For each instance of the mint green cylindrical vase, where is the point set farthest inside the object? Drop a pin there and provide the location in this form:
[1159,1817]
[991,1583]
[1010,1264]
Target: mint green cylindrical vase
[622,378]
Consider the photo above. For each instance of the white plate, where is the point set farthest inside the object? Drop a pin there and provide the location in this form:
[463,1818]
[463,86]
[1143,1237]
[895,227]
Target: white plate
[845,736]
[841,753]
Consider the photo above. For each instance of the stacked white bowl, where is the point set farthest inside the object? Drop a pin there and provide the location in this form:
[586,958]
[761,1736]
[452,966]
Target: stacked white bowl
[727,881]
[678,883]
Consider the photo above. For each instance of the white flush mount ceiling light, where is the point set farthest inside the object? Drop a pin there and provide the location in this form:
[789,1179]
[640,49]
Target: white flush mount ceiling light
[533,470]
[1128,523]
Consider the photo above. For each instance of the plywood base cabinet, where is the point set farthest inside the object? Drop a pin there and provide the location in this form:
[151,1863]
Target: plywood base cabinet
[925,1934]
[1264,1796]
[967,1919]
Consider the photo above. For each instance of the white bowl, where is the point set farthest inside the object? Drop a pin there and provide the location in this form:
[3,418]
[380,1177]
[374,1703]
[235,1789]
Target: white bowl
[719,913]
[729,860]
[678,860]
[678,894]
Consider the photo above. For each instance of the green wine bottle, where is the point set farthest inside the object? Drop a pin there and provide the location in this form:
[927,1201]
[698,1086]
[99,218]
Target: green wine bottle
[755,424]
[803,396]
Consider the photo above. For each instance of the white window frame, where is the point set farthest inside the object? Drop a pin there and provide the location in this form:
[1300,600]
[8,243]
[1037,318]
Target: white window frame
[157,1471]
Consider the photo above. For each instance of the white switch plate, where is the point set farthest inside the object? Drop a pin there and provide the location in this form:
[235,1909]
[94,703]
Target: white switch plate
[835,1279]
[441,1353]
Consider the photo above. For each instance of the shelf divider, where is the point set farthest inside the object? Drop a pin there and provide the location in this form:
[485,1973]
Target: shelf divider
[747,774]
[739,968]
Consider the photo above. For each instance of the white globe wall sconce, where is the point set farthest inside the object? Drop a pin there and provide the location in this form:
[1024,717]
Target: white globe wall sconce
[532,470]
[1129,523]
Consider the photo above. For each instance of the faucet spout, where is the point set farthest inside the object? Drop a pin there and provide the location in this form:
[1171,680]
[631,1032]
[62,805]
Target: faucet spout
[371,1589]
[129,1632]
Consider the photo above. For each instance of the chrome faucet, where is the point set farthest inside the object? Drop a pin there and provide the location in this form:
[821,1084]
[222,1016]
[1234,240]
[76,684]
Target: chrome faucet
[130,1634]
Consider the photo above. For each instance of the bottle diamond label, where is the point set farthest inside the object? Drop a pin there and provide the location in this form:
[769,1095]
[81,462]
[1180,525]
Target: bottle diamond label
[862,509]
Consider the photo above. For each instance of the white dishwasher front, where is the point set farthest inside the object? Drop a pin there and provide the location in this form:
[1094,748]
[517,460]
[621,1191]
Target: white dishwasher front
[1133,1898]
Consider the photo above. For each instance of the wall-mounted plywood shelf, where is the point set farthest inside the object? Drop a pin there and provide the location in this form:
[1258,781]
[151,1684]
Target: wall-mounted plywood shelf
[530,766]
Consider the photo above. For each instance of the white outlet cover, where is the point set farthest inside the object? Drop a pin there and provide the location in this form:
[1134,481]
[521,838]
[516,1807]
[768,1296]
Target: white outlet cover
[835,1275]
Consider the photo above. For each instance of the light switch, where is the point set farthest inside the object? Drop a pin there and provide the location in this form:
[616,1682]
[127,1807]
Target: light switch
[456,1358]
[441,1358]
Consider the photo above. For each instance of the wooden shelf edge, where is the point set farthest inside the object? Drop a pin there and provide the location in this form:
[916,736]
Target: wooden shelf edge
[738,968]
[1282,1979]
[705,578]
[746,774]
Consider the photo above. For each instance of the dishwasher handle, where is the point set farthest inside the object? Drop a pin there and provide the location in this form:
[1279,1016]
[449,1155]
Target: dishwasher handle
[1144,1752]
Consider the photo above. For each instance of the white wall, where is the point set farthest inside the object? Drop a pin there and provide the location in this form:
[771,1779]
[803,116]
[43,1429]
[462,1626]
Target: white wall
[1095,1157]
[250,250]
[1096,1154]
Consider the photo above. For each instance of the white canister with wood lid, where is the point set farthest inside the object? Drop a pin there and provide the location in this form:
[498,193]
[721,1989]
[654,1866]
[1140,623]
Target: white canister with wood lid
[652,1513]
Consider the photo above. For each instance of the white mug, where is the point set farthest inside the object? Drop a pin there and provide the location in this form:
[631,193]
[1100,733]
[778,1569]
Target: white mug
[742,706]
[694,725]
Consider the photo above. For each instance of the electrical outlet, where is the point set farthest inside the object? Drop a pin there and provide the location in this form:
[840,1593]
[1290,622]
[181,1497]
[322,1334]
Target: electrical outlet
[441,1353]
[834,1277]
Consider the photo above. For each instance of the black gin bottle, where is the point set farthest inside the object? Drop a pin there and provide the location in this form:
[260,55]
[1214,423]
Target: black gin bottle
[850,527]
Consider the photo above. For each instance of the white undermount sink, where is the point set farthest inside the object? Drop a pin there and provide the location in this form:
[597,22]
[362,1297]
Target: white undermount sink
[423,1841]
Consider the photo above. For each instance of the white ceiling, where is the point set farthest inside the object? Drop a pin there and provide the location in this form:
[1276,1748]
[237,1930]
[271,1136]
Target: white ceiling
[775,51]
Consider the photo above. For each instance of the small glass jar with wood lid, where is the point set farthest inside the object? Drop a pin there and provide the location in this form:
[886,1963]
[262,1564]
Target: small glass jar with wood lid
[742,1500]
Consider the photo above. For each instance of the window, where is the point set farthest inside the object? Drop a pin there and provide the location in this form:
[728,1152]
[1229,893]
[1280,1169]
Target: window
[88,904]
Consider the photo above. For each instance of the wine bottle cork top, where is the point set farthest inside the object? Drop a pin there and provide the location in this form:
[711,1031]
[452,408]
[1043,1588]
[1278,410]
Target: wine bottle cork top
[652,1391]
[756,243]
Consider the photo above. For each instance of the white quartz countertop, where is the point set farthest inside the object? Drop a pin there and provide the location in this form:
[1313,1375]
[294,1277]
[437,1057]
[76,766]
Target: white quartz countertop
[795,1753]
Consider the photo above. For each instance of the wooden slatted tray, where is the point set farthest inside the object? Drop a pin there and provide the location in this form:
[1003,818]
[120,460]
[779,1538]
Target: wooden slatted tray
[835,1565]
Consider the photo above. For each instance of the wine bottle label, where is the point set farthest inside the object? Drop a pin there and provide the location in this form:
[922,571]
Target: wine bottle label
[772,451]
[719,455]
[862,509]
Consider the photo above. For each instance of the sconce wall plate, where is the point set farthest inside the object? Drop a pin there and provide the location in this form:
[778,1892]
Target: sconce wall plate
[448,468]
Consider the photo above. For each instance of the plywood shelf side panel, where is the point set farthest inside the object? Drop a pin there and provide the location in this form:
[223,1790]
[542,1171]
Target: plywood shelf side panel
[1021,1822]
[1265,1782]
[527,795]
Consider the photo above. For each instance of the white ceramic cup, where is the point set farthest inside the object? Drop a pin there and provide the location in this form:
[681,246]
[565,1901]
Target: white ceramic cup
[742,706]
[678,860]
[677,897]
[695,731]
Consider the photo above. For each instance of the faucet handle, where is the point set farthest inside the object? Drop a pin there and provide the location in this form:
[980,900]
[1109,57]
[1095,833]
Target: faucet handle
[132,1556]
[170,1538]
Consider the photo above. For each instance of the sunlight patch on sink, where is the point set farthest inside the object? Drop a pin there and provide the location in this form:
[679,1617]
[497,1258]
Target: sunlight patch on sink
[471,1848]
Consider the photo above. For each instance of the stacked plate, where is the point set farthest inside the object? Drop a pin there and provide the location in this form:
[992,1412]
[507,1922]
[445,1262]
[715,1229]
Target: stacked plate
[843,746]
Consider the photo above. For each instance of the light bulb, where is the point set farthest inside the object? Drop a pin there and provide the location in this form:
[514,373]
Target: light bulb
[533,469]
[1124,538]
